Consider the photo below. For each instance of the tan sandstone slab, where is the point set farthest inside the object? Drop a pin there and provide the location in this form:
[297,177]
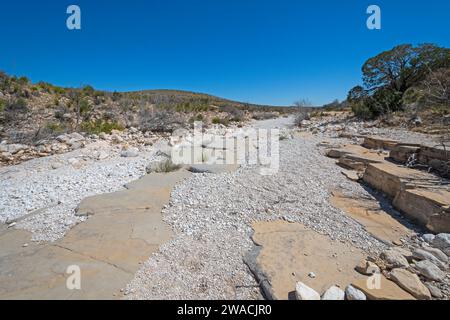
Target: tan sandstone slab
[123,229]
[374,219]
[387,290]
[290,251]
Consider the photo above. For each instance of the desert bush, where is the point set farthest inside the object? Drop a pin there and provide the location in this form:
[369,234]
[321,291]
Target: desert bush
[23,81]
[115,96]
[60,112]
[15,109]
[362,111]
[264,115]
[217,120]
[167,166]
[198,117]
[88,90]
[159,120]
[98,126]
[235,114]
[50,129]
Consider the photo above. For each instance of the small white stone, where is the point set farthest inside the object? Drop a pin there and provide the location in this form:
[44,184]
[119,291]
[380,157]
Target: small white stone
[303,292]
[351,293]
[334,293]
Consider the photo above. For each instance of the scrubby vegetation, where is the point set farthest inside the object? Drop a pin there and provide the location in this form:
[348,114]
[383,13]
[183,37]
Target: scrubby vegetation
[406,78]
[167,166]
[42,108]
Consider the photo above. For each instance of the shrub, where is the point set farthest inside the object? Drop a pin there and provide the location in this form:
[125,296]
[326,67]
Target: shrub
[167,166]
[217,120]
[2,105]
[301,116]
[88,90]
[362,111]
[96,127]
[17,106]
[61,111]
[23,81]
[159,120]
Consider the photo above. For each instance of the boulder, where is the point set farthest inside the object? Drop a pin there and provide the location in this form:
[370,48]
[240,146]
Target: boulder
[103,136]
[442,242]
[394,259]
[130,153]
[421,254]
[367,268]
[404,252]
[334,293]
[437,253]
[411,283]
[429,270]
[303,292]
[351,175]
[76,136]
[428,238]
[435,291]
[351,293]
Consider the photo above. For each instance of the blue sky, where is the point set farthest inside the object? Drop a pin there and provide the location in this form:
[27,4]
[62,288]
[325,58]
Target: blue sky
[260,51]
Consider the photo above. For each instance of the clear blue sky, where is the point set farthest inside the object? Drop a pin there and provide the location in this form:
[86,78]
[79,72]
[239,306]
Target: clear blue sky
[261,51]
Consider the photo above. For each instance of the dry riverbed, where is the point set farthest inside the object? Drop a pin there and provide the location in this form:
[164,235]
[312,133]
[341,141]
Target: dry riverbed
[212,216]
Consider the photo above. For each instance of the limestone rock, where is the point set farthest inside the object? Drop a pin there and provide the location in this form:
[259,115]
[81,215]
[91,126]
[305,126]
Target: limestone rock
[367,268]
[303,292]
[411,283]
[394,259]
[334,293]
[435,291]
[130,153]
[404,252]
[351,293]
[428,237]
[442,241]
[429,270]
[424,255]
[437,253]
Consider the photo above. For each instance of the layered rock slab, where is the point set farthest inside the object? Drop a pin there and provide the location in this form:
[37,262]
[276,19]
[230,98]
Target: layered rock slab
[124,228]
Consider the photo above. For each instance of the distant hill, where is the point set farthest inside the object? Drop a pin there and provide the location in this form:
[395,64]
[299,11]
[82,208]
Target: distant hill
[36,110]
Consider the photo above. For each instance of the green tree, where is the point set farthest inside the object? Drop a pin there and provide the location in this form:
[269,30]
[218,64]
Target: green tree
[403,66]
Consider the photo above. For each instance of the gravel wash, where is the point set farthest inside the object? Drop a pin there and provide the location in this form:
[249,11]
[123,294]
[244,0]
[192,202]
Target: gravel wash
[212,217]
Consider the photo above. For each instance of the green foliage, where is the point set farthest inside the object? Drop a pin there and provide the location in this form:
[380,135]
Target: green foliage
[96,127]
[2,105]
[393,79]
[362,111]
[55,128]
[88,90]
[198,117]
[84,106]
[403,66]
[18,105]
[217,120]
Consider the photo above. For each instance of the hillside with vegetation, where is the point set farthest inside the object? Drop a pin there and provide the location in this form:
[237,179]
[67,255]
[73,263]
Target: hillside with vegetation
[32,112]
[405,85]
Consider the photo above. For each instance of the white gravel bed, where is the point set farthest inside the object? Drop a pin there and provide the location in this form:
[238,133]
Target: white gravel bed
[43,199]
[212,216]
